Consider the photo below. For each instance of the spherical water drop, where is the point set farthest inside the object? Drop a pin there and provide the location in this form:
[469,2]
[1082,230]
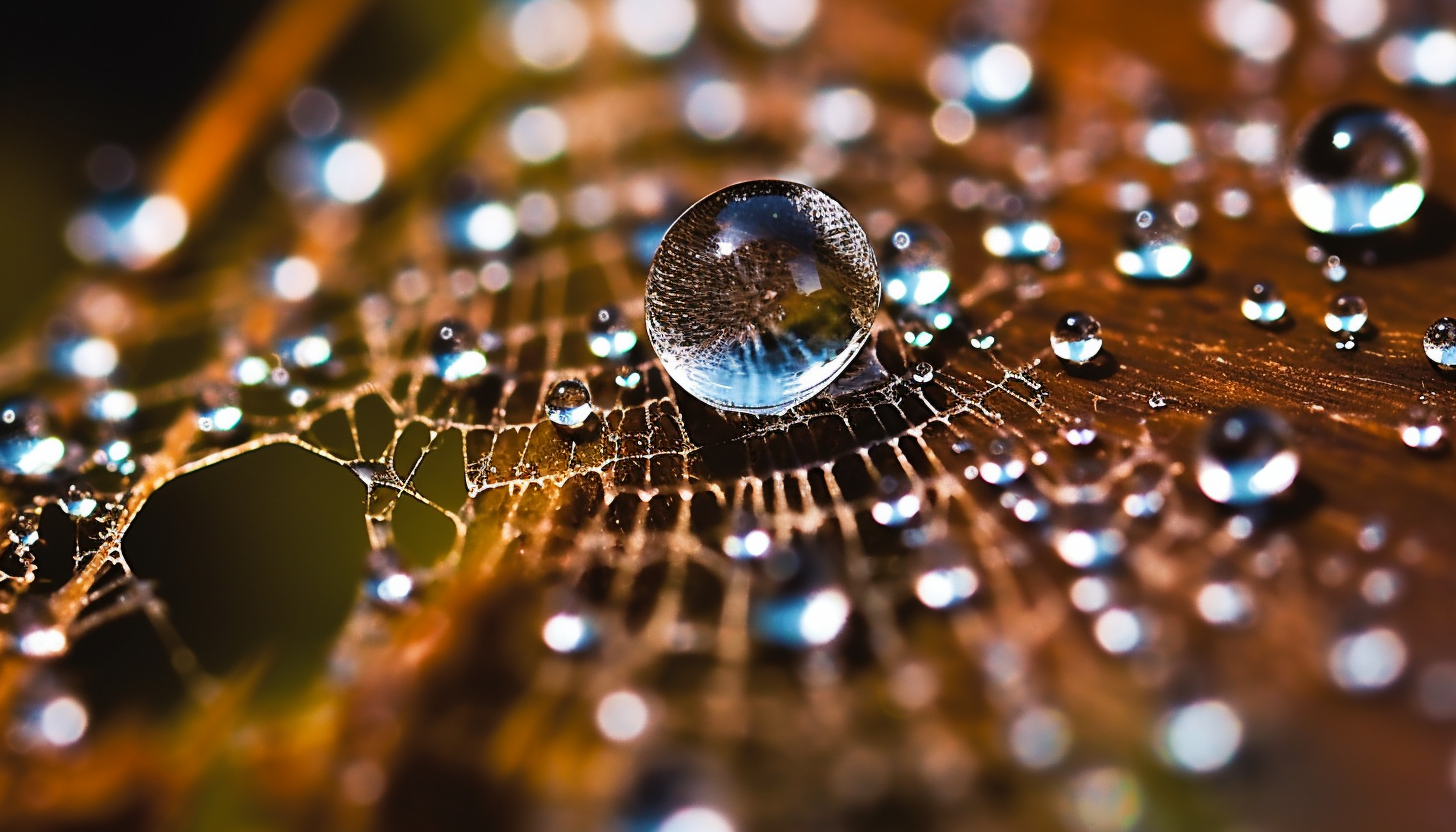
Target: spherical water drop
[1263,304]
[1080,432]
[26,446]
[1334,271]
[1003,465]
[1154,247]
[760,295]
[1421,429]
[1246,456]
[1020,238]
[610,335]
[568,405]
[1077,337]
[897,506]
[915,265]
[922,373]
[452,351]
[1347,313]
[1440,343]
[1357,169]
[946,586]
[628,378]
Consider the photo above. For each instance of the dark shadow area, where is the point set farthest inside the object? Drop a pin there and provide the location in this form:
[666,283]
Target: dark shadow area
[1103,366]
[259,556]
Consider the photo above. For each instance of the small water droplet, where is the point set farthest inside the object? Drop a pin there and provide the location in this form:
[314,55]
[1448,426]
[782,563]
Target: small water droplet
[1440,343]
[1004,463]
[1080,431]
[1021,238]
[1357,169]
[1246,456]
[1421,429]
[983,340]
[1345,341]
[1077,337]
[1367,661]
[1347,313]
[568,405]
[898,504]
[1334,271]
[1263,304]
[610,335]
[628,378]
[922,373]
[452,350]
[1157,401]
[946,586]
[1225,603]
[915,265]
[1154,247]
[1201,737]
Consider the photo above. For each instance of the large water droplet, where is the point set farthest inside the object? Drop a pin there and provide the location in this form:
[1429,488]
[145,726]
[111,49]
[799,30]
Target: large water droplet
[1357,169]
[1077,337]
[1440,343]
[760,295]
[1246,456]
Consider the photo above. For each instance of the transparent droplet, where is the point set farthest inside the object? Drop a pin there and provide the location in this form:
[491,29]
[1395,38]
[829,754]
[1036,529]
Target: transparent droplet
[1347,313]
[569,632]
[1077,337]
[1225,603]
[922,373]
[946,586]
[1440,343]
[1352,20]
[92,357]
[1421,429]
[760,295]
[126,230]
[1334,271]
[1201,737]
[1357,169]
[1081,431]
[1154,247]
[808,619]
[628,378]
[610,334]
[915,265]
[988,76]
[1087,548]
[27,447]
[1003,465]
[1420,57]
[622,716]
[453,353]
[473,225]
[1246,456]
[569,403]
[1263,304]
[389,587]
[746,538]
[1367,661]
[898,504]
[112,406]
[1020,238]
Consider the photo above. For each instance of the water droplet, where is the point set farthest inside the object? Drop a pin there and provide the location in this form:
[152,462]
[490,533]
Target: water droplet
[809,619]
[1263,304]
[1077,337]
[569,632]
[915,265]
[1420,57]
[27,447]
[1020,238]
[746,539]
[1440,343]
[987,76]
[1368,660]
[628,378]
[1154,247]
[389,587]
[1201,737]
[1345,341]
[1347,313]
[898,504]
[130,231]
[1334,271]
[1421,428]
[112,406]
[922,373]
[1246,456]
[1003,465]
[568,405]
[983,340]
[946,586]
[610,334]
[760,295]
[1118,631]
[452,350]
[1225,603]
[1357,169]
[1081,431]
[1088,548]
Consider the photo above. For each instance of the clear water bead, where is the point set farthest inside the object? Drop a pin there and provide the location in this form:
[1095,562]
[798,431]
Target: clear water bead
[452,351]
[1347,313]
[760,295]
[610,335]
[1246,456]
[1421,429]
[922,373]
[1357,169]
[569,403]
[1077,337]
[1440,343]
[1334,271]
[915,265]
[1263,304]
[1020,238]
[1154,247]
[1081,431]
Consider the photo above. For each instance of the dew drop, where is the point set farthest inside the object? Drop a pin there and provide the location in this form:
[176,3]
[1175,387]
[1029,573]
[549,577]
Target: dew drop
[1422,430]
[915,265]
[1334,271]
[1003,465]
[568,405]
[1080,432]
[1263,304]
[610,335]
[1154,247]
[1245,457]
[1357,169]
[922,373]
[453,353]
[1347,313]
[1077,337]
[1440,343]
[760,295]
